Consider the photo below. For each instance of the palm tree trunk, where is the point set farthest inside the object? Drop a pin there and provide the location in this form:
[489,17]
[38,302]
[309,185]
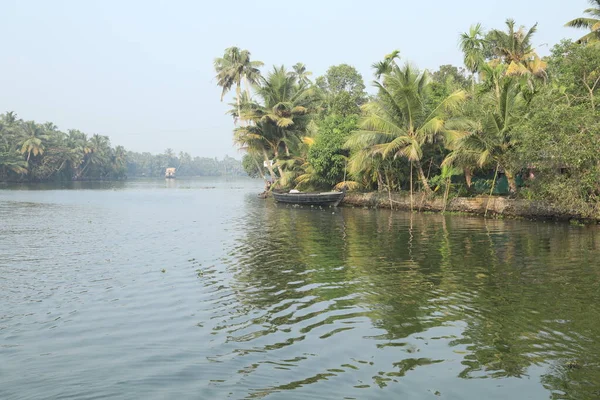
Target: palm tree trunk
[28,155]
[259,169]
[498,94]
[411,186]
[422,177]
[487,204]
[389,188]
[446,193]
[238,91]
[512,183]
[59,168]
[379,181]
[269,166]
[247,87]
[285,146]
[80,174]
[468,176]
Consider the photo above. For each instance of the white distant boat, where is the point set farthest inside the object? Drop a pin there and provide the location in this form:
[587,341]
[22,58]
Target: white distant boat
[170,173]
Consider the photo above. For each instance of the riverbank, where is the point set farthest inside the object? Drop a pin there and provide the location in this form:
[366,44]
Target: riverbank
[497,206]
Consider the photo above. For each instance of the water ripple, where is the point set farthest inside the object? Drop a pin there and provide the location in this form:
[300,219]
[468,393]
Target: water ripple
[172,293]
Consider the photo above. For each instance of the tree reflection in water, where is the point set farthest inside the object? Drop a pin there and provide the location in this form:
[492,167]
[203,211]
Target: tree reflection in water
[395,292]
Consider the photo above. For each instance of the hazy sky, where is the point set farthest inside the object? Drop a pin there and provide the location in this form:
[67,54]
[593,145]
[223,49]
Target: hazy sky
[141,71]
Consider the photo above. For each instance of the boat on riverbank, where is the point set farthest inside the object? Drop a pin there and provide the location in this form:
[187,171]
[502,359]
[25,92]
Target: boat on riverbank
[310,199]
[170,173]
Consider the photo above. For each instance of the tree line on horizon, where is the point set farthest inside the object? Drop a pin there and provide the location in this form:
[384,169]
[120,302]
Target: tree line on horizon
[507,117]
[33,152]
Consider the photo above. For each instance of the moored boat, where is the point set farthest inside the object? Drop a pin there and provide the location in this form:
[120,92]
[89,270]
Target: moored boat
[310,199]
[170,173]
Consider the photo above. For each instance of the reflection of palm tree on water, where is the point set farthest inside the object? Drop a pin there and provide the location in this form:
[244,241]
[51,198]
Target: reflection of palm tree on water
[407,274]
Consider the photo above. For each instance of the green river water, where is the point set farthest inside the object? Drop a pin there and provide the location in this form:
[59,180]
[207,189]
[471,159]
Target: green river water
[197,289]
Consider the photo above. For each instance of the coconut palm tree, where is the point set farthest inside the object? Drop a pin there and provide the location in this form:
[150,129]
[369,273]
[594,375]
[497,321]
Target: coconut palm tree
[50,127]
[33,137]
[592,23]
[514,45]
[285,105]
[97,156]
[397,124]
[11,160]
[259,138]
[301,74]
[278,118]
[385,66]
[514,48]
[79,146]
[10,117]
[492,137]
[78,141]
[492,74]
[473,44]
[8,126]
[118,161]
[234,67]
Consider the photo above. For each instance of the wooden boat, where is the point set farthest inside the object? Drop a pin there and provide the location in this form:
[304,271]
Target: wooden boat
[310,199]
[170,173]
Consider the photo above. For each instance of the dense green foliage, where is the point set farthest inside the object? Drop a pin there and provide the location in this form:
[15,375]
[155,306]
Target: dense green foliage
[343,90]
[509,116]
[328,155]
[40,152]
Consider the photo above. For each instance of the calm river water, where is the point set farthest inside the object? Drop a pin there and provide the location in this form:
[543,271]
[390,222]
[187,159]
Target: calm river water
[197,289]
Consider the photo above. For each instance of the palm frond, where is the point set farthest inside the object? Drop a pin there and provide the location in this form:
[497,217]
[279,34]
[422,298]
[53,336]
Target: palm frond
[350,185]
[364,139]
[380,123]
[580,23]
[393,147]
[308,140]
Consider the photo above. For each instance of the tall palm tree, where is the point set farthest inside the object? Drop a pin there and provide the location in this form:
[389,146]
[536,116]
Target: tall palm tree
[472,44]
[279,118]
[50,127]
[492,137]
[98,155]
[10,117]
[284,104]
[301,73]
[514,45]
[33,137]
[11,160]
[397,124]
[118,161]
[234,67]
[385,66]
[261,139]
[78,141]
[493,73]
[8,126]
[514,48]
[592,23]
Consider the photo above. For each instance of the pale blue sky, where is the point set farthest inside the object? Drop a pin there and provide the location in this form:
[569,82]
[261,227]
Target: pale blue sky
[141,71]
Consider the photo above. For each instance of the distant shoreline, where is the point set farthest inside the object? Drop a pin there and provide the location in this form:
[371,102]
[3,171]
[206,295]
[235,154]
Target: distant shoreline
[132,178]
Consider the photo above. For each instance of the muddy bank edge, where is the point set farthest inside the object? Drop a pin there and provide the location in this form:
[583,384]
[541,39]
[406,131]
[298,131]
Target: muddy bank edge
[497,206]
